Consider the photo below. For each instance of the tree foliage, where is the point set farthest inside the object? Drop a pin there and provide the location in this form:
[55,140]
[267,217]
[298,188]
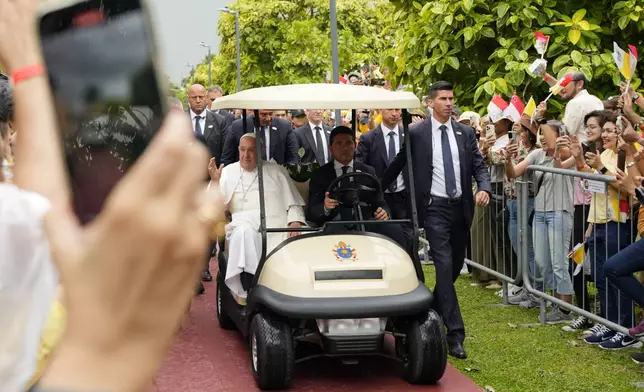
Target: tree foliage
[286,42]
[485,47]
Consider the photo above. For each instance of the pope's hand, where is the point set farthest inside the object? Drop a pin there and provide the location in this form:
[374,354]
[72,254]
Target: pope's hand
[381,214]
[329,203]
[214,171]
[482,198]
[294,225]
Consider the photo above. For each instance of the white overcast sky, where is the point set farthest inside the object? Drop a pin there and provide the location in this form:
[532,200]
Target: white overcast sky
[180,26]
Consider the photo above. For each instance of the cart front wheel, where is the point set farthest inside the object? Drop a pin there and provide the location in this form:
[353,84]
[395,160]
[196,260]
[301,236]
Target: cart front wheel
[423,350]
[271,351]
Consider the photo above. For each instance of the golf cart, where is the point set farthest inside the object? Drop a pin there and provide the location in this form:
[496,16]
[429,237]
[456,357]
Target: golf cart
[340,292]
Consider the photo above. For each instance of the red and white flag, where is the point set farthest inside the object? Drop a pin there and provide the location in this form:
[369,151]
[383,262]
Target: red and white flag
[496,107]
[541,43]
[515,110]
[343,80]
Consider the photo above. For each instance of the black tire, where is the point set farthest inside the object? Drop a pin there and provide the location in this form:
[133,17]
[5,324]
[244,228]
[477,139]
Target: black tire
[271,352]
[225,322]
[424,349]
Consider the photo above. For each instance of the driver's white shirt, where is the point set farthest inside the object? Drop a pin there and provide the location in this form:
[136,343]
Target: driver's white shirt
[338,168]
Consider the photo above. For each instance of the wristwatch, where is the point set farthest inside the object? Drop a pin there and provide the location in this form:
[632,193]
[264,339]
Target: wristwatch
[630,164]
[603,170]
[636,97]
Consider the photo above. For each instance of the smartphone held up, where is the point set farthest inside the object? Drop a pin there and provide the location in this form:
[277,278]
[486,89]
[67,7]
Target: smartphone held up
[103,71]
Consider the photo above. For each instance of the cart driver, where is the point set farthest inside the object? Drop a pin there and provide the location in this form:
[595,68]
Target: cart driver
[322,208]
[238,183]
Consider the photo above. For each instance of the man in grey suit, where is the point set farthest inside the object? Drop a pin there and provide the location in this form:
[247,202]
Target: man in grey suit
[214,93]
[313,137]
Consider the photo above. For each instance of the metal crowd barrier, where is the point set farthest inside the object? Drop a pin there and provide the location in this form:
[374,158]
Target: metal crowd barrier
[534,248]
[560,247]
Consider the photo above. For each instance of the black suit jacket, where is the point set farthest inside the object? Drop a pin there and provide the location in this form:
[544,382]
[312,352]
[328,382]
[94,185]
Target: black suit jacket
[320,181]
[282,139]
[226,115]
[471,162]
[306,140]
[373,151]
[214,134]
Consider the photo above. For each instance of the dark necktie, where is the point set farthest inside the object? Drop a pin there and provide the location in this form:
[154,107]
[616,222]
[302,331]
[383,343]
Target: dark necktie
[198,130]
[320,146]
[262,137]
[448,164]
[392,154]
[346,212]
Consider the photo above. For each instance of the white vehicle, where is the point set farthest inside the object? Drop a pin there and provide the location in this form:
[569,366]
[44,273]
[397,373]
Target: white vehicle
[343,293]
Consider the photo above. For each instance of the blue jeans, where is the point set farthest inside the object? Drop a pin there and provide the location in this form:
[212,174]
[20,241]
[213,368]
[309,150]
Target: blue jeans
[619,270]
[606,241]
[552,232]
[513,232]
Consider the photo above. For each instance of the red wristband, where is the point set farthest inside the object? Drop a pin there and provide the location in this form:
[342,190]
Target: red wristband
[26,73]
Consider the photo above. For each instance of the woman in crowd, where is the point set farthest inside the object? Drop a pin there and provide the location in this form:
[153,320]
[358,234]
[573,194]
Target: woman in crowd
[609,232]
[552,226]
[527,143]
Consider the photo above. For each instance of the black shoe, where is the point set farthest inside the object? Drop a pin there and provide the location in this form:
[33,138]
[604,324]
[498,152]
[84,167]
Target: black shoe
[456,350]
[638,357]
[206,276]
[200,289]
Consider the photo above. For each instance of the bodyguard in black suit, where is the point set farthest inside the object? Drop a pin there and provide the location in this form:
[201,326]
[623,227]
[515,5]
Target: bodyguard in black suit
[210,128]
[276,134]
[313,137]
[445,157]
[378,148]
[322,208]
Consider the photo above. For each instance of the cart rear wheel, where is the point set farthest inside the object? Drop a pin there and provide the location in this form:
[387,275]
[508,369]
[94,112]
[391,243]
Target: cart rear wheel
[424,349]
[271,352]
[225,322]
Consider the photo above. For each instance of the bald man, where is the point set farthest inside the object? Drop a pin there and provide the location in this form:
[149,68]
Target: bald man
[210,128]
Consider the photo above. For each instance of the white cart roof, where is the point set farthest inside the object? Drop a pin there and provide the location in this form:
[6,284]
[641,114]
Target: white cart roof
[318,96]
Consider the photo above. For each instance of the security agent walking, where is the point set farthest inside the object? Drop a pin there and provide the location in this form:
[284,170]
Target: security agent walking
[445,158]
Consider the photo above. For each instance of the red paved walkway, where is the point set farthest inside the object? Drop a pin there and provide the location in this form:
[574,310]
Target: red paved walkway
[205,358]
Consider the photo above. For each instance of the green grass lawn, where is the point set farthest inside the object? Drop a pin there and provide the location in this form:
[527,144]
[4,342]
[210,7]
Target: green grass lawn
[506,356]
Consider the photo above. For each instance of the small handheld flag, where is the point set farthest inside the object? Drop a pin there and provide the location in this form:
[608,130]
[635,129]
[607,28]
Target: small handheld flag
[556,89]
[530,108]
[541,43]
[515,109]
[626,63]
[496,107]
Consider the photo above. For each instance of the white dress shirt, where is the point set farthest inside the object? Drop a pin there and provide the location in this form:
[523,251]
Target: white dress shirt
[267,141]
[202,122]
[497,172]
[400,182]
[325,147]
[438,181]
[338,168]
[577,109]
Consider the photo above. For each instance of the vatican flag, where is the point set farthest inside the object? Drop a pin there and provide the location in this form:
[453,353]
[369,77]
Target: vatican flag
[626,62]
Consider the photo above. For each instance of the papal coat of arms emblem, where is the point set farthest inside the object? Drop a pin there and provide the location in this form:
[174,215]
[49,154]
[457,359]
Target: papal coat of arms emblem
[344,252]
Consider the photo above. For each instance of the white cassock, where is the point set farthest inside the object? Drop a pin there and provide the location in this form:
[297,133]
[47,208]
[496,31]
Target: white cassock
[283,205]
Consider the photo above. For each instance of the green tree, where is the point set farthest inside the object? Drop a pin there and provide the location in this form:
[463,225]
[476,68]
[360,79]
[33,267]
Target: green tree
[286,42]
[485,47]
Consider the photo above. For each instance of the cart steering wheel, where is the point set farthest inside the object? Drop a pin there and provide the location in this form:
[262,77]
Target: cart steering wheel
[353,194]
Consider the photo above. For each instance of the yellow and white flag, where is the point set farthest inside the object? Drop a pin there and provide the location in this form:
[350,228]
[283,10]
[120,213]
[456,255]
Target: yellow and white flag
[530,107]
[626,62]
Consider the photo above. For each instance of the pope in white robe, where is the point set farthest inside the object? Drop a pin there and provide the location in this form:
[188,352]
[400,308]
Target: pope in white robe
[284,208]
